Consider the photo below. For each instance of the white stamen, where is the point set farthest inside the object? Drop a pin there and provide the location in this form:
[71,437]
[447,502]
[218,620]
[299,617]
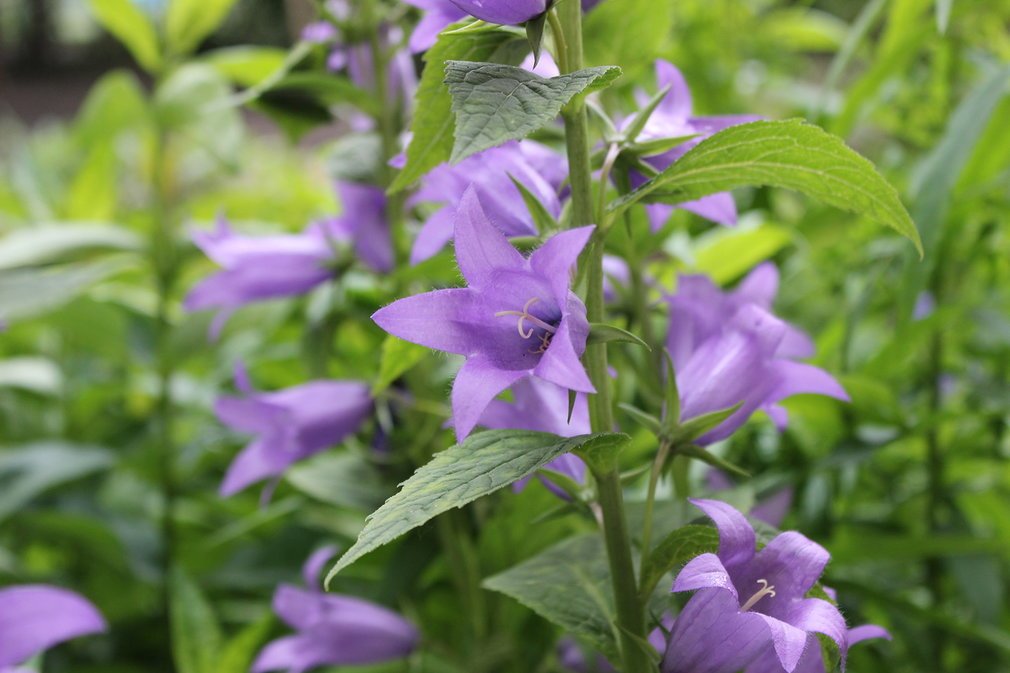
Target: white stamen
[526,315]
[766,590]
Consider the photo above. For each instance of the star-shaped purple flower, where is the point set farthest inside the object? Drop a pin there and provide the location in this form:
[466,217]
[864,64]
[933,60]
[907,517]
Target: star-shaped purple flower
[748,600]
[290,425]
[673,119]
[728,348]
[535,166]
[332,630]
[516,318]
[34,617]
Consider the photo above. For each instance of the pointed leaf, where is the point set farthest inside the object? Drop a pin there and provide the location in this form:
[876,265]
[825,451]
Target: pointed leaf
[674,551]
[600,333]
[127,22]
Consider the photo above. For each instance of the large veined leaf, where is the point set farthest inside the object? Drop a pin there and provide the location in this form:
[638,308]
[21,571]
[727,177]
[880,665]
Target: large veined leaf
[196,634]
[125,20]
[480,465]
[28,471]
[432,127]
[569,585]
[495,103]
[791,154]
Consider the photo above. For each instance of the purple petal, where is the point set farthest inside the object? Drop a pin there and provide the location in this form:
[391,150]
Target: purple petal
[263,458]
[442,320]
[719,208]
[736,536]
[704,572]
[759,286]
[788,641]
[556,258]
[313,567]
[797,378]
[34,617]
[773,509]
[792,563]
[711,635]
[477,383]
[481,248]
[299,608]
[561,362]
[866,632]
[677,102]
[814,615]
[506,12]
[435,233]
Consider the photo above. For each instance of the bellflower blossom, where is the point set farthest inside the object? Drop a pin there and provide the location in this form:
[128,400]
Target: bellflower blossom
[34,617]
[363,224]
[290,425]
[728,348]
[255,268]
[507,12]
[542,406]
[812,660]
[332,630]
[748,601]
[517,317]
[673,118]
[536,166]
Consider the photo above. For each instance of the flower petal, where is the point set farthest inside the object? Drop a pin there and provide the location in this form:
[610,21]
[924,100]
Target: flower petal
[506,12]
[814,615]
[481,248]
[313,567]
[736,535]
[866,632]
[264,457]
[719,208]
[556,258]
[788,641]
[704,572]
[477,383]
[677,102]
[436,319]
[435,233]
[561,364]
[759,286]
[798,378]
[34,617]
[711,635]
[792,563]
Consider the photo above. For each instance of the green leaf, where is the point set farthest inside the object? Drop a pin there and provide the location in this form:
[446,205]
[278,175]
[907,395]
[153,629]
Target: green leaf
[50,242]
[344,480]
[791,154]
[356,157]
[432,126]
[646,420]
[188,22]
[544,220]
[482,464]
[398,356]
[695,451]
[600,333]
[569,585]
[36,374]
[125,20]
[196,634]
[535,35]
[240,652]
[726,254]
[629,32]
[494,103]
[696,427]
[246,66]
[30,292]
[943,8]
[28,471]
[679,547]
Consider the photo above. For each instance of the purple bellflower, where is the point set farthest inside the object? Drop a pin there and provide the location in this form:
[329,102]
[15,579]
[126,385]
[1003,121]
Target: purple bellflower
[332,630]
[34,617]
[672,119]
[509,12]
[812,661]
[438,15]
[290,425]
[537,167]
[771,509]
[749,601]
[363,224]
[256,268]
[542,406]
[728,348]
[518,316]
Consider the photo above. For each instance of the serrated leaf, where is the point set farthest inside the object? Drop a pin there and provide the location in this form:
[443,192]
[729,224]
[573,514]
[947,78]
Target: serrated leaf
[188,22]
[196,634]
[398,356]
[791,154]
[674,551]
[125,20]
[432,125]
[480,465]
[569,585]
[494,103]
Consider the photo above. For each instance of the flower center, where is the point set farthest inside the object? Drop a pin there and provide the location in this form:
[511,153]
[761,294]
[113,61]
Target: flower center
[525,315]
[765,590]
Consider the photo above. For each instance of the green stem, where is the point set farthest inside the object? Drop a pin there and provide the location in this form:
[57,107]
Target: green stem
[630,613]
[650,498]
[465,571]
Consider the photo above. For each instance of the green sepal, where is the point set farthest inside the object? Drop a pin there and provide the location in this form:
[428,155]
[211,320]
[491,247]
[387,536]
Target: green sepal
[695,451]
[600,333]
[642,117]
[544,220]
[685,433]
[646,420]
[535,35]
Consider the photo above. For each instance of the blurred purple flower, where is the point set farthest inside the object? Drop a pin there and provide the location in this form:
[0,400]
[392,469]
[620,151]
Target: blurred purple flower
[34,617]
[537,167]
[728,348]
[290,425]
[437,16]
[925,306]
[255,268]
[673,119]
[320,32]
[363,224]
[747,601]
[771,509]
[542,406]
[517,317]
[332,630]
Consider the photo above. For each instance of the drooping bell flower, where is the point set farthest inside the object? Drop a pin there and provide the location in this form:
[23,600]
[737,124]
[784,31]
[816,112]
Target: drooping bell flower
[510,12]
[488,173]
[290,425]
[542,406]
[728,349]
[517,317]
[364,224]
[673,118]
[747,601]
[256,268]
[437,16]
[35,617]
[332,630]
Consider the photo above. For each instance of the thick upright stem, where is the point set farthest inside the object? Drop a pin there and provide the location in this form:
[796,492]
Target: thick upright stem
[630,613]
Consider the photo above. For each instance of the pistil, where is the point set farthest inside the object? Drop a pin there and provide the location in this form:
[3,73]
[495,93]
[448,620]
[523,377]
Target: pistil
[766,590]
[526,315]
